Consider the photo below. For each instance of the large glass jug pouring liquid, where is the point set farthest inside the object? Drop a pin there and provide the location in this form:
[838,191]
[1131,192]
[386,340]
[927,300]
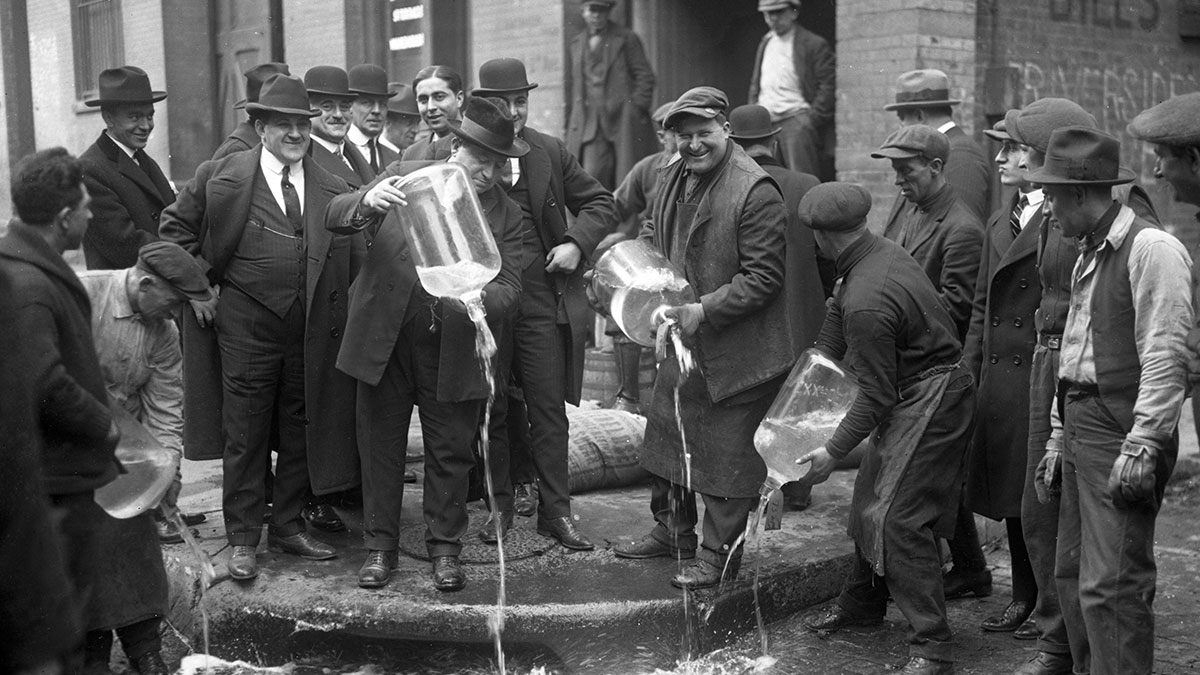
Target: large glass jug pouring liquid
[636,283]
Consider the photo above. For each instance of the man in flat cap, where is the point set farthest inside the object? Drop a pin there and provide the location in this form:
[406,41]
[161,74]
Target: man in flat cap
[138,346]
[923,97]
[1122,380]
[793,78]
[368,113]
[128,188]
[737,333]
[403,118]
[609,87]
[243,137]
[398,362]
[329,91]
[255,222]
[886,321]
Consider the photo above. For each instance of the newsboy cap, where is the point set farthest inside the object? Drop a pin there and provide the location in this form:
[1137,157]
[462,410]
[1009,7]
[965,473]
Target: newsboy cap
[706,102]
[176,266]
[1033,124]
[835,207]
[998,132]
[1081,155]
[1175,121]
[916,140]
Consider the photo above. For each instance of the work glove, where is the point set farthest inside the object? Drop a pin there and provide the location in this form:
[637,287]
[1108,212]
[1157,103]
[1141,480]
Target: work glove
[687,316]
[590,293]
[1132,481]
[1047,480]
[1193,356]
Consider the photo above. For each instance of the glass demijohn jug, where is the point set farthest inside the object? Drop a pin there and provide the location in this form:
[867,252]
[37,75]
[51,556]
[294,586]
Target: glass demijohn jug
[808,409]
[636,282]
[148,469]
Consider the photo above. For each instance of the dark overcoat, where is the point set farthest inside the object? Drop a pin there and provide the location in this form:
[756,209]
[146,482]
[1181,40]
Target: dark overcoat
[998,351]
[362,164]
[242,138]
[208,220]
[126,203]
[330,162]
[557,184]
[628,95]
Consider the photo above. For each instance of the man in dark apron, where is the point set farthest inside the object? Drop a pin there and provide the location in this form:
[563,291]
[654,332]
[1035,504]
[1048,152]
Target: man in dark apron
[915,399]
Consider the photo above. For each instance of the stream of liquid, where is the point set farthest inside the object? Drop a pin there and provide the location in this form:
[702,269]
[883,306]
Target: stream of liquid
[207,575]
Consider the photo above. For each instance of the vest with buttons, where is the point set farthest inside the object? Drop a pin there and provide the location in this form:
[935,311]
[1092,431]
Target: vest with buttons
[269,263]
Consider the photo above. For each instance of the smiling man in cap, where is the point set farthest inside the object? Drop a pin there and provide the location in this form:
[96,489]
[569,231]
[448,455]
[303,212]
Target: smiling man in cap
[887,323]
[399,362]
[737,331]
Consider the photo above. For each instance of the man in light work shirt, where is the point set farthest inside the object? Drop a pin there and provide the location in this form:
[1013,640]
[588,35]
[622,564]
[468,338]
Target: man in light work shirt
[1122,379]
[793,78]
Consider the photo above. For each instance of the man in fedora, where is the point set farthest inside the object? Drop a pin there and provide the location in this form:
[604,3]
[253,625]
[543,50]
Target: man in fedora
[255,222]
[553,318]
[368,113]
[329,91]
[923,97]
[128,188]
[886,322]
[793,78]
[737,331]
[1122,380]
[609,87]
[403,118]
[243,137]
[406,348]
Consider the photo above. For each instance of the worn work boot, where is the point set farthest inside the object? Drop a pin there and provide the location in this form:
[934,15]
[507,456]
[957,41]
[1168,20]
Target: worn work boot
[649,547]
[525,499]
[701,573]
[919,665]
[1045,663]
[302,544]
[835,617]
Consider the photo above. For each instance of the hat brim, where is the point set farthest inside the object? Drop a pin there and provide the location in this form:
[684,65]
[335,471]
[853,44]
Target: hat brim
[998,135]
[519,147]
[258,107]
[501,92]
[354,93]
[155,97]
[707,113]
[896,153]
[1041,177]
[754,135]
[908,105]
[331,94]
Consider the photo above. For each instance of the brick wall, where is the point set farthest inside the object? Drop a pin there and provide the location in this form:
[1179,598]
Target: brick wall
[314,34]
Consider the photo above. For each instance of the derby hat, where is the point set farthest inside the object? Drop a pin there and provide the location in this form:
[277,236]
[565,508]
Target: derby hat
[489,127]
[368,79]
[502,76]
[772,5]
[998,132]
[834,207]
[1033,124]
[283,94]
[176,266]
[1080,155]
[255,78]
[922,89]
[706,102]
[916,140]
[1175,121]
[405,102]
[750,122]
[328,81]
[124,85]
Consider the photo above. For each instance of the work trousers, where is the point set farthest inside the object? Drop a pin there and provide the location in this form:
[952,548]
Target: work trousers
[800,143]
[1039,522]
[675,517]
[448,429]
[1105,569]
[262,365]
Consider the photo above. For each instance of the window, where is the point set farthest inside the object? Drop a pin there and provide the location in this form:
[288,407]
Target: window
[96,33]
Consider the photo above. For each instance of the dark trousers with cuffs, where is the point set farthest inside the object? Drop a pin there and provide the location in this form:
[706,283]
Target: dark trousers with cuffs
[675,517]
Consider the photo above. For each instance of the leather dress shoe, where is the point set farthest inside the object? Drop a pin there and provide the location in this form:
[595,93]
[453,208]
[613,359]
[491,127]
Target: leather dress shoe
[302,544]
[242,564]
[150,664]
[377,569]
[626,405]
[191,519]
[701,573]
[919,665]
[959,583]
[448,573]
[525,499]
[835,617]
[323,517]
[1010,619]
[563,529]
[1045,663]
[649,547]
[168,532]
[1027,631]
[488,534]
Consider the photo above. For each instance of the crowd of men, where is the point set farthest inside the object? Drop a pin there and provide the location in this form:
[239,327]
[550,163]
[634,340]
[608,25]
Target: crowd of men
[278,282]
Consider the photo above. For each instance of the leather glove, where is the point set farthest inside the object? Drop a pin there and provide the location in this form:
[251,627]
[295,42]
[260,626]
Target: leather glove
[687,316]
[590,293]
[1047,479]
[1132,480]
[1193,355]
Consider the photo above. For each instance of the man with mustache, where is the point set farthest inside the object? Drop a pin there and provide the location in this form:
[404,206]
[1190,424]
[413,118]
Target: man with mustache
[329,91]
[368,113]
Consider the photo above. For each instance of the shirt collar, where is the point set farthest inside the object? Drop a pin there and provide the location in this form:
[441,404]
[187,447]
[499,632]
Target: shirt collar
[125,148]
[273,167]
[1035,197]
[121,306]
[947,126]
[356,136]
[328,145]
[1105,230]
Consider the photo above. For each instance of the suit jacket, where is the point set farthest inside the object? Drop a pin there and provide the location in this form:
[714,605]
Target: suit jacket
[969,171]
[624,117]
[362,164]
[428,149]
[330,162]
[52,313]
[242,138]
[558,184]
[208,220]
[388,286]
[814,62]
[998,351]
[126,203]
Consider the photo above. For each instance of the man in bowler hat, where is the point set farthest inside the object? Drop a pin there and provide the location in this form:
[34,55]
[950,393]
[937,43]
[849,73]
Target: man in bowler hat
[329,91]
[243,136]
[255,221]
[128,188]
[368,114]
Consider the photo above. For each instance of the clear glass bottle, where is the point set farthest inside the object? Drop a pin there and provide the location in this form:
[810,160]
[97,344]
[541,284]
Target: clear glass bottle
[636,282]
[148,469]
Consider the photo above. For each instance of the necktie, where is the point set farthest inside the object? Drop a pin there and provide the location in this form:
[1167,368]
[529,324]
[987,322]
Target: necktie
[1014,218]
[291,201]
[342,156]
[374,155]
[140,158]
